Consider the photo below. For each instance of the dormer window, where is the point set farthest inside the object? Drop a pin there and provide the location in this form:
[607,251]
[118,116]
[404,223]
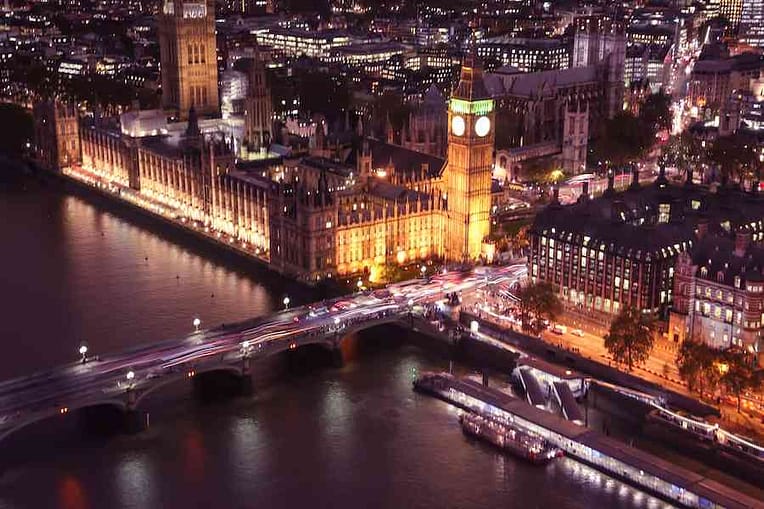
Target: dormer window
[720,277]
[737,281]
[703,272]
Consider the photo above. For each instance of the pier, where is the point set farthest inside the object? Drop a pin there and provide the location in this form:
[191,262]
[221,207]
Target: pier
[643,470]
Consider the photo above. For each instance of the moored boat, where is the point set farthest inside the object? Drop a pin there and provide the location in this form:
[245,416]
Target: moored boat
[508,438]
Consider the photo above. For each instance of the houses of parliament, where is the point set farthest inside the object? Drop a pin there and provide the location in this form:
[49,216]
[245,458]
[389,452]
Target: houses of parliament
[310,217]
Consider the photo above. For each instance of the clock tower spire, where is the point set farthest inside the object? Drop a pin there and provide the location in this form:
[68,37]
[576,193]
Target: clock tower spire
[470,162]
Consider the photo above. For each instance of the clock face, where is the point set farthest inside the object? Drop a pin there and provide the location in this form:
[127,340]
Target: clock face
[482,126]
[457,125]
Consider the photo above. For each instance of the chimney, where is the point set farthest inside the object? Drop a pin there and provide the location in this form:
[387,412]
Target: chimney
[742,240]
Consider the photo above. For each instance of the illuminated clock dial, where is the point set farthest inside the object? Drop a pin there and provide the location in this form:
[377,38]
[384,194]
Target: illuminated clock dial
[482,126]
[457,125]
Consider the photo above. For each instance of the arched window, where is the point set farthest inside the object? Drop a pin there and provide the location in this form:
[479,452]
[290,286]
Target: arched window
[703,272]
[720,276]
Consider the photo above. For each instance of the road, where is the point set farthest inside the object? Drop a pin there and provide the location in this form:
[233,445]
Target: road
[110,377]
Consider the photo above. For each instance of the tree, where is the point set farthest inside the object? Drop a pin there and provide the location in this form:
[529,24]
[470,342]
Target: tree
[656,111]
[737,376]
[695,362]
[622,139]
[734,155]
[630,339]
[684,151]
[538,302]
[543,170]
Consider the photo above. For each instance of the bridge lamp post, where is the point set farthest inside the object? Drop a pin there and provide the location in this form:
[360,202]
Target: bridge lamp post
[197,323]
[286,302]
[423,270]
[359,284]
[83,353]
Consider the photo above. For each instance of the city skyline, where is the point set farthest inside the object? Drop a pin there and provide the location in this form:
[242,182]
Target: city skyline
[564,196]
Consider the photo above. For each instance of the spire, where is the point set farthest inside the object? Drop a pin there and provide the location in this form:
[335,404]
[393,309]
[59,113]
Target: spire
[471,86]
[193,124]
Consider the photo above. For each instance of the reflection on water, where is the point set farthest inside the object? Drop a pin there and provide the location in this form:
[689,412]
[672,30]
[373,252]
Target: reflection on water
[322,437]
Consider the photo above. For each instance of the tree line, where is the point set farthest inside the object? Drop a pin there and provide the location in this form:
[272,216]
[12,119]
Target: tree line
[631,339]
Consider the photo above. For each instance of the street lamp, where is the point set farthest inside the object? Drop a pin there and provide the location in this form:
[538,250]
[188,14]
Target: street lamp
[130,376]
[83,353]
[359,284]
[197,323]
[336,321]
[423,270]
[286,302]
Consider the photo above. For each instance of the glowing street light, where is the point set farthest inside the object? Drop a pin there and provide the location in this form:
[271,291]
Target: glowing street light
[359,284]
[423,270]
[83,353]
[286,302]
[130,377]
[197,323]
[336,321]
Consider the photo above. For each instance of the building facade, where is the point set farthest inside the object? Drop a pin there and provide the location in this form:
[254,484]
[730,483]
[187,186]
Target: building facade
[312,218]
[470,163]
[621,249]
[719,291]
[188,57]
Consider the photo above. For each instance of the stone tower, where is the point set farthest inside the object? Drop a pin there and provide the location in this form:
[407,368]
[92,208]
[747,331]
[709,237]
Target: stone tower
[188,57]
[259,108]
[470,160]
[56,134]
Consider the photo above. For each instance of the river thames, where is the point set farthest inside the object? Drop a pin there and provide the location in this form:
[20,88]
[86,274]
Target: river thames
[310,436]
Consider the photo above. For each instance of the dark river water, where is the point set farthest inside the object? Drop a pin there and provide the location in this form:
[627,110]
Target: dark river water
[311,435]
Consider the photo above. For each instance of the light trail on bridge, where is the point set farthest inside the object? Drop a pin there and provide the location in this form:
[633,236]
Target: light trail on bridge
[105,380]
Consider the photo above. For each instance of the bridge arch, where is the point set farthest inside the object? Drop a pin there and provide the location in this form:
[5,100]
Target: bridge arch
[187,374]
[55,412]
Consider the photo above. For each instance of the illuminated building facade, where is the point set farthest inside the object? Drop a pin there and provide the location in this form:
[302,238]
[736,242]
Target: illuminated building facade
[731,10]
[311,218]
[55,128]
[527,55]
[470,163]
[258,109]
[621,249]
[719,291]
[295,42]
[752,23]
[187,45]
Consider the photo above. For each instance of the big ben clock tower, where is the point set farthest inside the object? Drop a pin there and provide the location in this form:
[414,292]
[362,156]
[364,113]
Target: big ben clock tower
[470,161]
